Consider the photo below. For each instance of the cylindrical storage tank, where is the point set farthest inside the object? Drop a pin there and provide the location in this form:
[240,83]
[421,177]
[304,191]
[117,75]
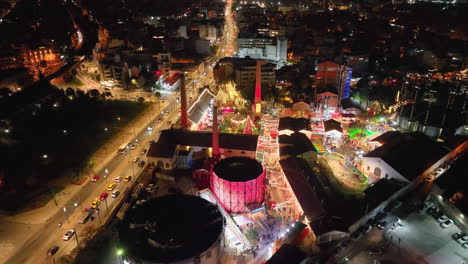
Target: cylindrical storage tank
[237,182]
[180,229]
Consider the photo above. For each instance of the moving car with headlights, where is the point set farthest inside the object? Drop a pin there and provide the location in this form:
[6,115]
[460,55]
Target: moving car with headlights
[68,235]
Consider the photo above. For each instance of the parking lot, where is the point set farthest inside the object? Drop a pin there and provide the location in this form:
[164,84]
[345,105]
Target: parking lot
[411,234]
[422,234]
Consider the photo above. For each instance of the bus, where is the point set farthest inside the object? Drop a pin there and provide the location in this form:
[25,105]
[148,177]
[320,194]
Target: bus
[123,148]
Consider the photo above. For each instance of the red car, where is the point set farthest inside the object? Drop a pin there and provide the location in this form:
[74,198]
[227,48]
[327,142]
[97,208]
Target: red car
[95,178]
[103,195]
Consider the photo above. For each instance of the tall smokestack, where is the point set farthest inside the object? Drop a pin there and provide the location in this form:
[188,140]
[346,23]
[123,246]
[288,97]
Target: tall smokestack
[215,144]
[258,88]
[183,103]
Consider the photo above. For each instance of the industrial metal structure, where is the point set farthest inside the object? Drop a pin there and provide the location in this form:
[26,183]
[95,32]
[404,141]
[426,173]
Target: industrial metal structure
[238,183]
[179,229]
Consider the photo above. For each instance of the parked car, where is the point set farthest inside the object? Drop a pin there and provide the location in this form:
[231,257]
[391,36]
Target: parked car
[463,239]
[169,122]
[442,218]
[128,178]
[103,195]
[68,235]
[143,151]
[141,202]
[159,120]
[465,245]
[53,250]
[115,193]
[427,205]
[95,178]
[380,216]
[118,179]
[375,251]
[392,206]
[457,235]
[356,234]
[433,210]
[367,228]
[133,146]
[141,163]
[96,203]
[111,186]
[151,190]
[447,223]
[136,159]
[429,178]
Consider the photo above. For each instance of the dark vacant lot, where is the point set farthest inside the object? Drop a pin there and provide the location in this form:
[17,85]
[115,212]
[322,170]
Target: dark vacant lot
[53,135]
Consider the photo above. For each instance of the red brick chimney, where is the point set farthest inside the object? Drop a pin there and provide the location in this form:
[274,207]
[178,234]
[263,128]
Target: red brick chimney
[215,143]
[183,103]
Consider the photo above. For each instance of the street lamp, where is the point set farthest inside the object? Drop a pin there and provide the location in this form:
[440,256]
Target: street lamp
[45,156]
[119,254]
[105,129]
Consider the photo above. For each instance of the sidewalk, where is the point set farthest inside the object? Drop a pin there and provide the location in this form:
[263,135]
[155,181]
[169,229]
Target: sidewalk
[103,155]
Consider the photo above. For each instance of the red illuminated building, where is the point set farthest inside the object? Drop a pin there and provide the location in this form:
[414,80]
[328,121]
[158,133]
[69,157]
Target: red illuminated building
[238,182]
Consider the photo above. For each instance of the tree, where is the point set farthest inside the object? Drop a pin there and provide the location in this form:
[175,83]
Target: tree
[94,93]
[157,95]
[70,92]
[141,99]
[4,92]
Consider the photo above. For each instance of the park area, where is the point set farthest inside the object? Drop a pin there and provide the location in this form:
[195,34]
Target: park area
[55,136]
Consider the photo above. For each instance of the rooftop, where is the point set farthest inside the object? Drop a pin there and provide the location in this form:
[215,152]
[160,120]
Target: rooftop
[161,150]
[387,137]
[200,106]
[306,195]
[294,124]
[287,254]
[332,124]
[295,144]
[204,139]
[410,153]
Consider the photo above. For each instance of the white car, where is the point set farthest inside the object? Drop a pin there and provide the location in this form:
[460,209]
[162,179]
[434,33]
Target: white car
[118,179]
[115,193]
[68,235]
[136,159]
[447,223]
[462,240]
[465,245]
[442,219]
